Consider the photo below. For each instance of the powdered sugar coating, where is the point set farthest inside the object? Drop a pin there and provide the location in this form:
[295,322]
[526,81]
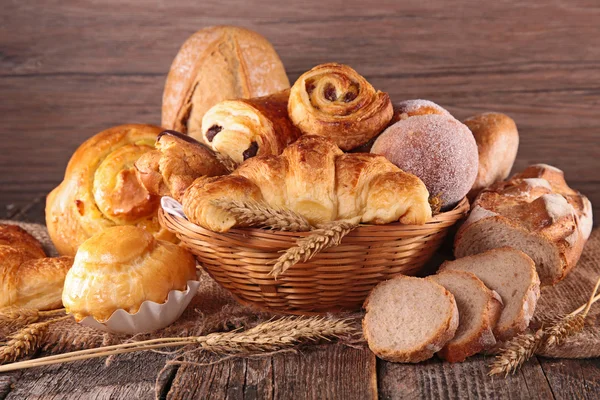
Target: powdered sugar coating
[420,107]
[557,206]
[438,149]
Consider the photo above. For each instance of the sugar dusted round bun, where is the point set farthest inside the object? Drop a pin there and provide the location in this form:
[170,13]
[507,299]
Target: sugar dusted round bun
[438,149]
[413,108]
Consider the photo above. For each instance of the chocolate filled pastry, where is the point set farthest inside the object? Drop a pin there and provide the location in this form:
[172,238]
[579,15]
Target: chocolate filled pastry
[177,161]
[216,64]
[334,101]
[101,189]
[314,178]
[246,128]
[28,278]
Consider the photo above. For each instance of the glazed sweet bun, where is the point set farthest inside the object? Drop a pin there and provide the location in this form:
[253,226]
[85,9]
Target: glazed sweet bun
[436,148]
[120,268]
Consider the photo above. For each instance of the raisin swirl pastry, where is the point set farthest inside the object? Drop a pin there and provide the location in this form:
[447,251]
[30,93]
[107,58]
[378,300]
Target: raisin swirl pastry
[314,178]
[244,128]
[101,189]
[333,100]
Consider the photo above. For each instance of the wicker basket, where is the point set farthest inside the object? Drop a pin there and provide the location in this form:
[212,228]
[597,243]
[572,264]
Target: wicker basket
[339,278]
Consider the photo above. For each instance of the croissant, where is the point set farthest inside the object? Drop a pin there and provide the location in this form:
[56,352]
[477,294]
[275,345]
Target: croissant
[314,178]
[333,100]
[120,268]
[245,128]
[177,161]
[101,189]
[29,279]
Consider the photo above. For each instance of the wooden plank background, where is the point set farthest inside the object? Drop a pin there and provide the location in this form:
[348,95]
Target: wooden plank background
[69,69]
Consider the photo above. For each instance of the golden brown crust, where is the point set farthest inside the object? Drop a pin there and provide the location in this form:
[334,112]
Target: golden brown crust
[28,278]
[120,268]
[101,189]
[177,161]
[314,178]
[215,64]
[334,101]
[245,128]
[497,143]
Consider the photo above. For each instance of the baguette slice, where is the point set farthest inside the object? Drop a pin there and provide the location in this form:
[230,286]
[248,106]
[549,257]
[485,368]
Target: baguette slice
[409,319]
[479,309]
[512,274]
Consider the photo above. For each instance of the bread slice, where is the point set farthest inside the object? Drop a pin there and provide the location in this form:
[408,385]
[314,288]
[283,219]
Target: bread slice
[409,319]
[512,274]
[478,311]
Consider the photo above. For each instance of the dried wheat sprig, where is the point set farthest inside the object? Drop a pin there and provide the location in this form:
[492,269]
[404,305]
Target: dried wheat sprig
[328,235]
[253,213]
[25,341]
[272,335]
[522,347]
[17,316]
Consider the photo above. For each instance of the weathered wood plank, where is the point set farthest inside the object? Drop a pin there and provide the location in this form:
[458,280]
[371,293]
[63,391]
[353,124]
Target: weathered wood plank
[573,379]
[128,376]
[435,379]
[328,371]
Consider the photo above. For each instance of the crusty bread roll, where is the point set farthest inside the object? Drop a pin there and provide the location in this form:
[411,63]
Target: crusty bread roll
[526,214]
[315,179]
[478,311]
[120,268]
[216,64]
[29,279]
[101,189]
[497,143]
[511,273]
[438,149]
[177,161]
[245,128]
[335,101]
[409,319]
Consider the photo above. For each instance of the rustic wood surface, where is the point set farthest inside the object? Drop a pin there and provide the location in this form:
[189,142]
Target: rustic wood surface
[69,69]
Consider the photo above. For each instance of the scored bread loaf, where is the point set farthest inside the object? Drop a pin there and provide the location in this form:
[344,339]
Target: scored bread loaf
[529,215]
[511,273]
[409,319]
[478,311]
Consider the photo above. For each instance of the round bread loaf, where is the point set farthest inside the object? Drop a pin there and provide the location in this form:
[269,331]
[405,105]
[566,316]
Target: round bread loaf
[438,149]
[497,141]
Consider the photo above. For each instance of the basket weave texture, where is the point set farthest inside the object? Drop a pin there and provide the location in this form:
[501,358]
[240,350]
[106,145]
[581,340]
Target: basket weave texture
[339,278]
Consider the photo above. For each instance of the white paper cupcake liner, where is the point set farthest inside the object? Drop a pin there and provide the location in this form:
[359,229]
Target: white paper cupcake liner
[150,317]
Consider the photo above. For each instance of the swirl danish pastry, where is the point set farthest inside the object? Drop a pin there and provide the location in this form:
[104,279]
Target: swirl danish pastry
[245,128]
[101,189]
[335,101]
[314,178]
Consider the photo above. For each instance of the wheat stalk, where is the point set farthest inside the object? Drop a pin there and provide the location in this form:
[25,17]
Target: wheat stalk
[273,335]
[25,341]
[13,316]
[252,213]
[522,347]
[435,202]
[328,235]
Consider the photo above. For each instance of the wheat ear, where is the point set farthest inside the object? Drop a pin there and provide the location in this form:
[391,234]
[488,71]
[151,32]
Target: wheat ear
[253,213]
[435,202]
[14,317]
[273,335]
[26,341]
[522,347]
[327,235]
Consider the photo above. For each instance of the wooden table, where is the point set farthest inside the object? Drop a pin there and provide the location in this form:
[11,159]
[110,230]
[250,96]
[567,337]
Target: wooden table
[72,68]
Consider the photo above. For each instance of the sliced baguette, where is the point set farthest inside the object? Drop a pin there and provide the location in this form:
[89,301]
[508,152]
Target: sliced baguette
[409,319]
[478,311]
[512,274]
